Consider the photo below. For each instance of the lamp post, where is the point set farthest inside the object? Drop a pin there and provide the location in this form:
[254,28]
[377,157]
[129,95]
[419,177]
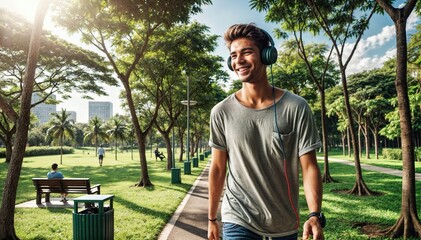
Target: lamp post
[188,103]
[175,172]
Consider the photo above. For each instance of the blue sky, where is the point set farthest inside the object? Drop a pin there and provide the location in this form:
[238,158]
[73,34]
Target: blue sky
[377,45]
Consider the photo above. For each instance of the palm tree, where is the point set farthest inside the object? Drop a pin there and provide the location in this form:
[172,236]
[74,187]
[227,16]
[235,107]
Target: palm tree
[97,132]
[117,132]
[61,128]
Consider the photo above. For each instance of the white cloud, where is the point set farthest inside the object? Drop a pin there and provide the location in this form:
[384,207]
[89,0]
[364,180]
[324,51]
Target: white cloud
[363,58]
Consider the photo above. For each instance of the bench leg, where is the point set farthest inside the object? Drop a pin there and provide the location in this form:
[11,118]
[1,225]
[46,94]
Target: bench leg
[39,196]
[47,197]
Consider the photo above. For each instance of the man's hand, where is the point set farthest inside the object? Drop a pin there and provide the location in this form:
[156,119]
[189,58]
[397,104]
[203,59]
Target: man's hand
[313,228]
[213,230]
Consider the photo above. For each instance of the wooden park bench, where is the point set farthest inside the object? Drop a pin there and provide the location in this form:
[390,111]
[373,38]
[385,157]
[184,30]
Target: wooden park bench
[64,185]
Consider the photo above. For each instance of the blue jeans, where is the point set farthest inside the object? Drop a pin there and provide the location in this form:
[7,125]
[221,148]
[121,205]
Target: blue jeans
[231,231]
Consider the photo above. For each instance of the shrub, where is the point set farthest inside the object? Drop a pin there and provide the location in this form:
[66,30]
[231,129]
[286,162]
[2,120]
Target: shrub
[41,151]
[392,153]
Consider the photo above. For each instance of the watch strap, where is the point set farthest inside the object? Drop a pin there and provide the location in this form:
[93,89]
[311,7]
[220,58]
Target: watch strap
[320,216]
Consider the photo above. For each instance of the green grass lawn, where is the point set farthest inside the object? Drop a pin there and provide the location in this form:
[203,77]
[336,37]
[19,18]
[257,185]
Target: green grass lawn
[141,213]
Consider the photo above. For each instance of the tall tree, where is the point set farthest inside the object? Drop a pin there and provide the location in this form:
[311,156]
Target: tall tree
[183,47]
[342,21]
[96,132]
[371,91]
[62,68]
[61,128]
[22,118]
[117,132]
[122,29]
[408,224]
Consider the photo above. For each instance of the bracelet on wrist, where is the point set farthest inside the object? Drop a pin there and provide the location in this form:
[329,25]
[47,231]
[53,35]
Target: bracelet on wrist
[212,220]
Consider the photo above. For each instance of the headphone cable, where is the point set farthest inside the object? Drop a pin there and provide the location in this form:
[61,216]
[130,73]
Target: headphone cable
[283,152]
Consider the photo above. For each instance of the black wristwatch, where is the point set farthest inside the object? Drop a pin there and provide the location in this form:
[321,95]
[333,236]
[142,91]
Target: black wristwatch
[320,216]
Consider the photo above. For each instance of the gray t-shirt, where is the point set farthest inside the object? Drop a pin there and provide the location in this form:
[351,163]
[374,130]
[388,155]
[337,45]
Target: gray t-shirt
[262,184]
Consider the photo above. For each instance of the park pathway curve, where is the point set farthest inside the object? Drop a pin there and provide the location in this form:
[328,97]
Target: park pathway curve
[389,171]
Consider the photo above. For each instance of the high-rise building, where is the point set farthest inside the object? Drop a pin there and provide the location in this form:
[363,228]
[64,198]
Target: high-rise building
[42,111]
[103,110]
[72,115]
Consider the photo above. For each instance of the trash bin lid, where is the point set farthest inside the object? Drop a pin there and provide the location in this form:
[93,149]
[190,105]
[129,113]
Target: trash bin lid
[93,198]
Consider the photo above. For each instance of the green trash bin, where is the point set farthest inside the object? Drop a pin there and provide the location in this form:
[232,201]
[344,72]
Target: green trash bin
[187,167]
[95,221]
[175,175]
[195,162]
[202,157]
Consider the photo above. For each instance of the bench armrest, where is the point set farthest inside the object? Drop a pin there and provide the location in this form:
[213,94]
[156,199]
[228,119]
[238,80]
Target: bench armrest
[96,188]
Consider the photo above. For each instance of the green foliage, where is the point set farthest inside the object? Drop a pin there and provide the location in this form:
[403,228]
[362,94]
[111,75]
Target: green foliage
[418,154]
[41,151]
[414,48]
[61,127]
[62,68]
[392,153]
[96,131]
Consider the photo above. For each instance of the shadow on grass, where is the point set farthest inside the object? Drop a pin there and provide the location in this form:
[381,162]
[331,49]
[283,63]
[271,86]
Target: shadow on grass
[140,209]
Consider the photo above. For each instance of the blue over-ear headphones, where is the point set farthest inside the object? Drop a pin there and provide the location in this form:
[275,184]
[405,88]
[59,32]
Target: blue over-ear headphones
[268,55]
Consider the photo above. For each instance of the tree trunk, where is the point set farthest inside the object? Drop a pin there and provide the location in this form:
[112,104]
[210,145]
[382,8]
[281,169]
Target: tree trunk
[359,141]
[96,146]
[9,147]
[349,141]
[144,180]
[360,188]
[376,143]
[167,140]
[7,224]
[144,175]
[408,224]
[367,141]
[327,178]
[115,151]
[181,147]
[61,149]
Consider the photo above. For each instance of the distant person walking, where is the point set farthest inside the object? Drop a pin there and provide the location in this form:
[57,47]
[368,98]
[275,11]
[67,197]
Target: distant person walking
[56,174]
[101,155]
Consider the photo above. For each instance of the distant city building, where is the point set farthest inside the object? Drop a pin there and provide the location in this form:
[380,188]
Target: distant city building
[103,110]
[43,111]
[72,115]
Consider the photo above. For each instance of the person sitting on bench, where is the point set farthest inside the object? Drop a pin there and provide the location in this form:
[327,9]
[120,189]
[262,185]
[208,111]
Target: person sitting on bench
[159,155]
[56,174]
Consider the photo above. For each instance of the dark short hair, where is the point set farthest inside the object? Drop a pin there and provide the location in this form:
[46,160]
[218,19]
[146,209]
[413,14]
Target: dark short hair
[54,166]
[249,31]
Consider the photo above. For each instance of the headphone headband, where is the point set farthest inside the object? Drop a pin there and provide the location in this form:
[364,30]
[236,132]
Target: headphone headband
[272,43]
[268,55]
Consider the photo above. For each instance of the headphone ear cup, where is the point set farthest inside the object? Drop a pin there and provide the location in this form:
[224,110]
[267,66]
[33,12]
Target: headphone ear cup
[269,55]
[229,63]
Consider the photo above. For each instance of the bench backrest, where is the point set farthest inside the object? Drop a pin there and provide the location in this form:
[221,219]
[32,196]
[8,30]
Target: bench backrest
[60,185]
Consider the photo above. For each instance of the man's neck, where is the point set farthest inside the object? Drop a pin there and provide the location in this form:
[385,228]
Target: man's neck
[255,96]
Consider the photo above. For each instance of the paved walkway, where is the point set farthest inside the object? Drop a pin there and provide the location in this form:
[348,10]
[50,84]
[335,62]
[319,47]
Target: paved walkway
[190,221]
[389,171]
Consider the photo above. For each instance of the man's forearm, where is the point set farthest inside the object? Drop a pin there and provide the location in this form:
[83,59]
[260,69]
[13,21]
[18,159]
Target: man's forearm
[216,186]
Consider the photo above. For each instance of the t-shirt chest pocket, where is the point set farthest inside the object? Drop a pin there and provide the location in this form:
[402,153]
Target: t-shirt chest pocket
[282,145]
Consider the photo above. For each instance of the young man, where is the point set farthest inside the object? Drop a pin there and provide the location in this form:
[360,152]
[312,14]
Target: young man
[261,135]
[56,174]
[101,154]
